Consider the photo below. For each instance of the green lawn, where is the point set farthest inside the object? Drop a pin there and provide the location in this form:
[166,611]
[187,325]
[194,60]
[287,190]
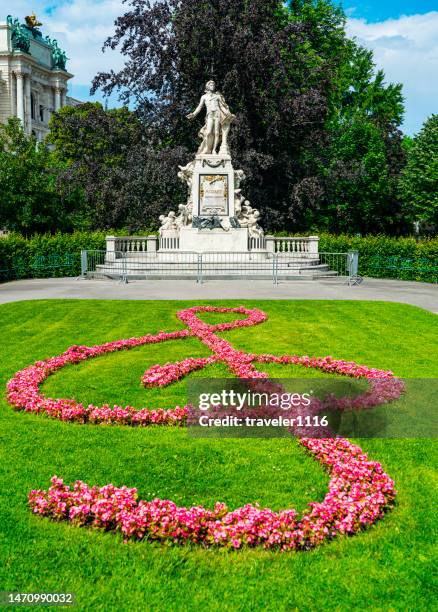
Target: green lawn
[388,567]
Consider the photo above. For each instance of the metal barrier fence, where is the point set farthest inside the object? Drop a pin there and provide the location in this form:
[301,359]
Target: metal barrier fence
[125,266]
[246,264]
[292,266]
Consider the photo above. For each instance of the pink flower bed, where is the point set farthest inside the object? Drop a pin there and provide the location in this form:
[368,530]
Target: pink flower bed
[359,490]
[359,493]
[24,388]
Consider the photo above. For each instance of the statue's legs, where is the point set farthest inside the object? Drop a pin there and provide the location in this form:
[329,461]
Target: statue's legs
[217,132]
[210,134]
[224,144]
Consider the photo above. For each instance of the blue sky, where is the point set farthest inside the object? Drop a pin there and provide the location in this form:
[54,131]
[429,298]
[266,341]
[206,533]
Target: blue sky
[403,35]
[374,11]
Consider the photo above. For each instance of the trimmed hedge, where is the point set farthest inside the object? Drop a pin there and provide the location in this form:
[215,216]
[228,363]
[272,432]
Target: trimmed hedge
[45,255]
[385,257]
[58,255]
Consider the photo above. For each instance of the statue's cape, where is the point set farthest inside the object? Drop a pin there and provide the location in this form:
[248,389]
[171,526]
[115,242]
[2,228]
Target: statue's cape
[226,115]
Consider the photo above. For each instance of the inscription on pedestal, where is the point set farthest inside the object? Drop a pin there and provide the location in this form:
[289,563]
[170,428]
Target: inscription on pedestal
[213,194]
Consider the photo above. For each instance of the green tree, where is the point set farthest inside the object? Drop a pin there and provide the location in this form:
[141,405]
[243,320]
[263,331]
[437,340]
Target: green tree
[109,158]
[29,200]
[300,90]
[273,69]
[419,179]
[87,131]
[366,153]
[361,190]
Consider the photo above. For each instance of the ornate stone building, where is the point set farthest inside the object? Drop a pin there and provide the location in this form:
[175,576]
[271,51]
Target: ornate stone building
[33,75]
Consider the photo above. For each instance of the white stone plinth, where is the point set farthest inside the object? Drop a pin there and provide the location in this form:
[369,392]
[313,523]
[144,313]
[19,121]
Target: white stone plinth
[218,240]
[218,201]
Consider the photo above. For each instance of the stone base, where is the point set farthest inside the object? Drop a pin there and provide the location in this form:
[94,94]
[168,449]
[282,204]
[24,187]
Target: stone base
[206,203]
[218,240]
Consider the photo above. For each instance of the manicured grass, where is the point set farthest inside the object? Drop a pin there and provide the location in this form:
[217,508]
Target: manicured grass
[388,567]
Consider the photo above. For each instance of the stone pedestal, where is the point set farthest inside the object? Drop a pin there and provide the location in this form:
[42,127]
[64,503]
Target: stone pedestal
[213,186]
[233,241]
[152,244]
[110,248]
[313,245]
[270,244]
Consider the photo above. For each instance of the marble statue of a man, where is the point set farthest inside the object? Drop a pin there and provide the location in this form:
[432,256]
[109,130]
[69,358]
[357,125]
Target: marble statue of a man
[217,123]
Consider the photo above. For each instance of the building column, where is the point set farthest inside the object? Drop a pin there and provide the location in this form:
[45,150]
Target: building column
[20,96]
[48,104]
[13,95]
[28,116]
[63,98]
[58,92]
[37,105]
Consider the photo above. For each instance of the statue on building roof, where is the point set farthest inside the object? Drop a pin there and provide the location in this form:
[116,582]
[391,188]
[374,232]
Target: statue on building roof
[19,35]
[59,57]
[32,21]
[31,25]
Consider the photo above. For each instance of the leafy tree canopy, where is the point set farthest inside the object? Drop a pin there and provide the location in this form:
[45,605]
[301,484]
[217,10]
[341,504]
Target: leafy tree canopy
[419,181]
[29,201]
[107,156]
[316,126]
[297,85]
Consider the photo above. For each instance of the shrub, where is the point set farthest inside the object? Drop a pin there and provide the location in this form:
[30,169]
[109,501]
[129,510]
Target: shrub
[387,257]
[45,255]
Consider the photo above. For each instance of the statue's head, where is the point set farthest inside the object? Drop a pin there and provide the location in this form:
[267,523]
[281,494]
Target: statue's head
[210,86]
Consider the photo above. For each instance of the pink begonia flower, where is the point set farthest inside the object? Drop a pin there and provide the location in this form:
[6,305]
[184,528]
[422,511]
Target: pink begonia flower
[359,490]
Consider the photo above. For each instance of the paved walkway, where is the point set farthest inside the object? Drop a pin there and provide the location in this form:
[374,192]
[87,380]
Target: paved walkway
[419,294]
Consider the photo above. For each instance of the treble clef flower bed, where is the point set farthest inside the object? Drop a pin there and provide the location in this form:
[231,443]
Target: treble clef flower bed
[359,490]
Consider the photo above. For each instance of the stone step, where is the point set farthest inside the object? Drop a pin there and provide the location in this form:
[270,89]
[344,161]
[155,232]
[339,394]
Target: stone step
[154,263]
[222,271]
[208,267]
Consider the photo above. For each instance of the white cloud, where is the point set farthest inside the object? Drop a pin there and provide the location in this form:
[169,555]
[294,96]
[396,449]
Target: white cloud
[407,50]
[80,26]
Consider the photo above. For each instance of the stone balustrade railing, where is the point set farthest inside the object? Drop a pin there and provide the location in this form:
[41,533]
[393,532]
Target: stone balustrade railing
[308,245]
[150,244]
[169,241]
[131,244]
[257,244]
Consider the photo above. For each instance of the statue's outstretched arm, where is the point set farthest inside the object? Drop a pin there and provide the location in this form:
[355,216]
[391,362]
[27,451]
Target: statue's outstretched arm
[197,109]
